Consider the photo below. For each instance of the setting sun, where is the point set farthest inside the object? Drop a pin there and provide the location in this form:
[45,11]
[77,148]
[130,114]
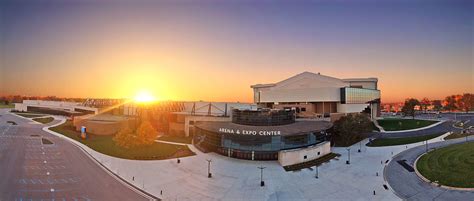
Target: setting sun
[144,97]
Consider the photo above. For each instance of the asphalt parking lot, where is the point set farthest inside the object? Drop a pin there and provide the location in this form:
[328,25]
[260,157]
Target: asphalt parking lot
[31,170]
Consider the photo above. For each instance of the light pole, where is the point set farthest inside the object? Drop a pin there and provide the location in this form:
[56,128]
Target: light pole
[262,183]
[209,175]
[360,146]
[317,172]
[426,143]
[348,156]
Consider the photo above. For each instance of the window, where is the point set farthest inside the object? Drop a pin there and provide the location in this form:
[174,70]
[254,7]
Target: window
[305,157]
[303,109]
[319,153]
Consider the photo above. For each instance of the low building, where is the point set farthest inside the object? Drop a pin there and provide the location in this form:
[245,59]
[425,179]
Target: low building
[104,124]
[182,122]
[264,134]
[55,107]
[314,95]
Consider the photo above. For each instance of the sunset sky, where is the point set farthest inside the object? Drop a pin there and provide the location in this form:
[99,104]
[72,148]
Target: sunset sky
[215,50]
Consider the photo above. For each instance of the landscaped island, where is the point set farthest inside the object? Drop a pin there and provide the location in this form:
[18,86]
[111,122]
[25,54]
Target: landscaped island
[44,120]
[380,142]
[449,166]
[106,145]
[403,124]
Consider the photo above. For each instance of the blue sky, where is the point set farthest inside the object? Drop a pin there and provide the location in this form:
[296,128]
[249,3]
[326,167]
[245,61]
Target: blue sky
[415,48]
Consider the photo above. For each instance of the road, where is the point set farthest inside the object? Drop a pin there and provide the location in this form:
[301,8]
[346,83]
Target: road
[441,128]
[408,186]
[31,170]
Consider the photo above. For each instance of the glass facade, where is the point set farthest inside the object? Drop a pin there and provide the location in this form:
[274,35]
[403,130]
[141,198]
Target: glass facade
[359,95]
[254,147]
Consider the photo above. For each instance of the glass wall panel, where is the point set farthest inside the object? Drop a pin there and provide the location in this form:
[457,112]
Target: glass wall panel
[359,96]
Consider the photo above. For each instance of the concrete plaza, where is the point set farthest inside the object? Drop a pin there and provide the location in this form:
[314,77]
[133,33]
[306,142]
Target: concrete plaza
[235,179]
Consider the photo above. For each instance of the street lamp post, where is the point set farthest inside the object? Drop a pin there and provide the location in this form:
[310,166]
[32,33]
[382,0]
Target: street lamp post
[262,183]
[426,145]
[360,146]
[209,174]
[317,172]
[348,156]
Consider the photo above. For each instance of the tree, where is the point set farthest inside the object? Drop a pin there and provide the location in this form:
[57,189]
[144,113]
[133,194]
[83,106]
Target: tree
[126,138]
[466,102]
[408,108]
[437,105]
[146,133]
[450,103]
[424,103]
[351,128]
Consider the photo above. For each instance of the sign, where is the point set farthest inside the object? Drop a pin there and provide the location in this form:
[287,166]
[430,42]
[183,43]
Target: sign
[83,132]
[250,132]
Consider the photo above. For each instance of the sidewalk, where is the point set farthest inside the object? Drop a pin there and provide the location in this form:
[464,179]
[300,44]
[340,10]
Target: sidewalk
[411,130]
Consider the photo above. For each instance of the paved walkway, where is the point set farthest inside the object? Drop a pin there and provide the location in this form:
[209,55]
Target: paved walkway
[409,186]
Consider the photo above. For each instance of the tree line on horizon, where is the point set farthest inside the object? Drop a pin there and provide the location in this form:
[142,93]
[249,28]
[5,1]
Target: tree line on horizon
[19,99]
[451,103]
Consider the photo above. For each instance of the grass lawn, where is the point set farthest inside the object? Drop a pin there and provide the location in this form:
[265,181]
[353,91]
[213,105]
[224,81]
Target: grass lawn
[403,124]
[105,145]
[458,135]
[29,115]
[46,141]
[2,105]
[309,164]
[178,139]
[381,142]
[450,166]
[44,120]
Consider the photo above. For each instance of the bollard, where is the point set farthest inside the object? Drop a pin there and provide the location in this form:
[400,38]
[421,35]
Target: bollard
[133,178]
[377,174]
[179,161]
[374,192]
[161,192]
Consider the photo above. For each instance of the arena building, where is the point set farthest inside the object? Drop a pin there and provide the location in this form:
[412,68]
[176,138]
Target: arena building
[264,134]
[318,96]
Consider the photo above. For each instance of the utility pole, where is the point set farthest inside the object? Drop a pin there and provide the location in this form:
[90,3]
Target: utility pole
[262,183]
[209,175]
